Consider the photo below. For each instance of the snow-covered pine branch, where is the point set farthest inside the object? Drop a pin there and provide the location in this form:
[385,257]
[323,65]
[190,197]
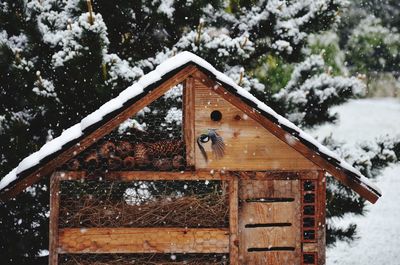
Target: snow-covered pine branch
[310,93]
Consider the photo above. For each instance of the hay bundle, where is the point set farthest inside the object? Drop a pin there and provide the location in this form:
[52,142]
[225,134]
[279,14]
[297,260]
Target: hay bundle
[144,259]
[206,210]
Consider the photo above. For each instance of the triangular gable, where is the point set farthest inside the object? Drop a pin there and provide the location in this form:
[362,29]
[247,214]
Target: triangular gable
[151,86]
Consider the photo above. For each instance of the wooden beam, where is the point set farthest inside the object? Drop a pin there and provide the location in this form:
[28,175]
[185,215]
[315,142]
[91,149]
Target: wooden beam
[144,240]
[277,174]
[54,212]
[145,175]
[321,217]
[280,133]
[188,120]
[99,133]
[310,247]
[233,221]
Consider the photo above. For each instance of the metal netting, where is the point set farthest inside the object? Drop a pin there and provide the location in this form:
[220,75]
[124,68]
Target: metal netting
[150,140]
[94,203]
[144,259]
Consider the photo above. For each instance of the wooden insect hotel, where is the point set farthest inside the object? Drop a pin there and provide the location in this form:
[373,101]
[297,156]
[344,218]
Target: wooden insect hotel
[185,167]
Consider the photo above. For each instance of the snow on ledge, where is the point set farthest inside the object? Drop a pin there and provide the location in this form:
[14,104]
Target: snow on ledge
[136,89]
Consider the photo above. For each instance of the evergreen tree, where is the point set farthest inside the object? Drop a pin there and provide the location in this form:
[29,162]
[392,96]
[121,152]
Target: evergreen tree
[60,60]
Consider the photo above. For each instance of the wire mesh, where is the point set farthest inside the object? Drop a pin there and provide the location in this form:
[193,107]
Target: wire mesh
[150,140]
[145,259]
[94,203]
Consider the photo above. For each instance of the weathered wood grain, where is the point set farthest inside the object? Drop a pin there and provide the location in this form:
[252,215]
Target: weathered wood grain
[128,176]
[294,143]
[233,221]
[53,219]
[188,120]
[259,189]
[269,227]
[144,240]
[321,217]
[249,146]
[272,258]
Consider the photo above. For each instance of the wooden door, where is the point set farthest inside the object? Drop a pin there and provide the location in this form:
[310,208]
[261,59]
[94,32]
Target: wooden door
[269,222]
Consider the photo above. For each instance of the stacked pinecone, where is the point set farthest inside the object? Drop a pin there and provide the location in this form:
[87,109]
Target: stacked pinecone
[162,155]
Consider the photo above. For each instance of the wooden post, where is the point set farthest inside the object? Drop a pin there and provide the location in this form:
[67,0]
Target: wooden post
[54,211]
[321,226]
[233,221]
[188,120]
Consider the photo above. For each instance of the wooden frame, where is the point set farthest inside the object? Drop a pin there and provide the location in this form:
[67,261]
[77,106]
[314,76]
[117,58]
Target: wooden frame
[144,175]
[53,219]
[233,185]
[190,72]
[188,121]
[128,240]
[321,218]
[61,159]
[284,136]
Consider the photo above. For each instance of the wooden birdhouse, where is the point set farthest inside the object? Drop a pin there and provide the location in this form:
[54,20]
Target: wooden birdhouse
[185,167]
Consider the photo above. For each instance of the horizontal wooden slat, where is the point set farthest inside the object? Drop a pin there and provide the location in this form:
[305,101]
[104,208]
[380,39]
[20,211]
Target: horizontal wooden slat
[266,237]
[146,175]
[144,240]
[272,257]
[262,213]
[310,247]
[252,189]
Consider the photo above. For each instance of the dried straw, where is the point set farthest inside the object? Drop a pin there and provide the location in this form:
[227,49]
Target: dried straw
[143,260]
[206,210]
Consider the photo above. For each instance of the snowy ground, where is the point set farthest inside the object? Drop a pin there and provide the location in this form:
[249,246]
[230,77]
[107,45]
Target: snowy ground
[379,229]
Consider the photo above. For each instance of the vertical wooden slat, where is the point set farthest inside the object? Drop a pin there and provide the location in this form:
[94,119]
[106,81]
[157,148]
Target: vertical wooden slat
[233,221]
[54,211]
[321,217]
[188,120]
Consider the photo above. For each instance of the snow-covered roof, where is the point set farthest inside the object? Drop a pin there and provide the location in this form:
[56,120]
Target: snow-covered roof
[143,86]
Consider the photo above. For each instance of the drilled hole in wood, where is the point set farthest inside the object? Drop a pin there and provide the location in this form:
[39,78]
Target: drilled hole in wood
[270,200]
[309,258]
[309,234]
[271,249]
[309,198]
[309,210]
[309,185]
[308,222]
[267,225]
[216,115]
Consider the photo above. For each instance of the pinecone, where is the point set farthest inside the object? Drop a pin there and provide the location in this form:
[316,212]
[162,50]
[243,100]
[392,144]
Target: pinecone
[162,164]
[178,162]
[141,155]
[129,162]
[165,148]
[107,149]
[73,164]
[92,160]
[114,162]
[124,149]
